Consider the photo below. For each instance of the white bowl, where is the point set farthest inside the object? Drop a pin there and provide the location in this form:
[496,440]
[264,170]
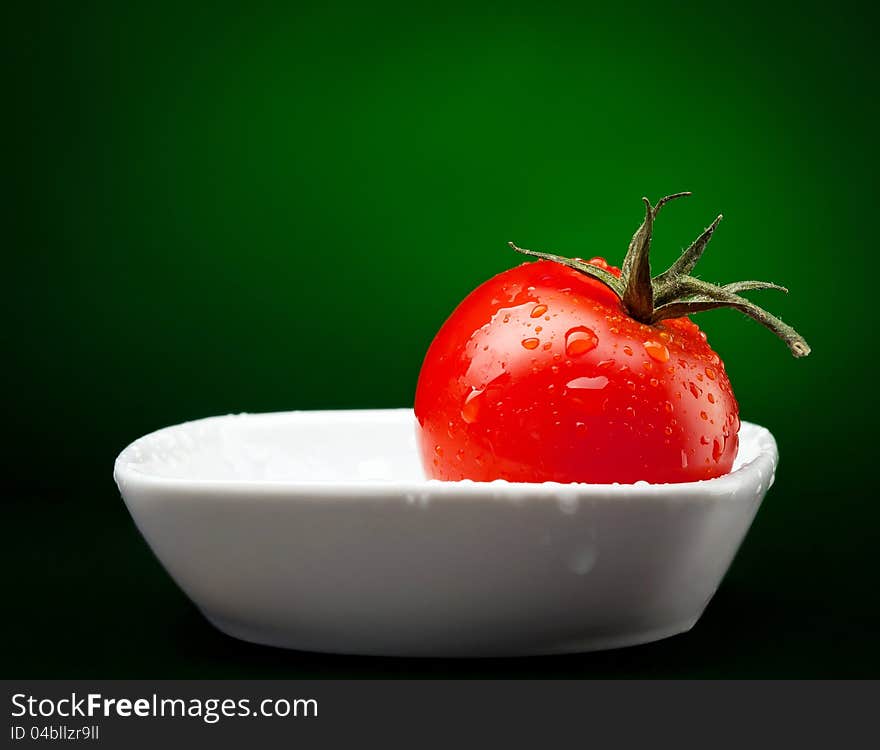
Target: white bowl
[317,531]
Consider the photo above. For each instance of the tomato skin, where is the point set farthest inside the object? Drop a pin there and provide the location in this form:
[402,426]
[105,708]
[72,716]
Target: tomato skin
[576,392]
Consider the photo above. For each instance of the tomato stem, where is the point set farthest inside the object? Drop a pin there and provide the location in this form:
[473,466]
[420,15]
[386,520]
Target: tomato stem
[609,279]
[675,293]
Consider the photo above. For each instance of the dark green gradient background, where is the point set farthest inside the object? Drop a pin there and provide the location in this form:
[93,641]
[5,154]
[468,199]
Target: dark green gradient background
[269,208]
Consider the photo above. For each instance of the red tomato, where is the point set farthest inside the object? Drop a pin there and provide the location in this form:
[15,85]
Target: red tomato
[571,371]
[541,375]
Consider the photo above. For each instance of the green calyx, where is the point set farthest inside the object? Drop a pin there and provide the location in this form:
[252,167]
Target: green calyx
[675,293]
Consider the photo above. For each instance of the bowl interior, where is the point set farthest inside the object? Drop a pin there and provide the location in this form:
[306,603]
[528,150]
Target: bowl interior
[375,445]
[306,446]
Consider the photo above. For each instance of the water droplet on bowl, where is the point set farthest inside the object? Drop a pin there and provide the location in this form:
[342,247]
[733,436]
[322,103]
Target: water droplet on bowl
[583,559]
[567,502]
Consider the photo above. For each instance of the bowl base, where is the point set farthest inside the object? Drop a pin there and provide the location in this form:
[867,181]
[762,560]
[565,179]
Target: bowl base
[265,637]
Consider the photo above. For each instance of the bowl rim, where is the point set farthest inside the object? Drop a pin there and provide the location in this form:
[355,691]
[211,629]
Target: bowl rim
[753,471]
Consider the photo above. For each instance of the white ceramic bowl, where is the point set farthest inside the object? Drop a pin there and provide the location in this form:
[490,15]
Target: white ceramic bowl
[317,531]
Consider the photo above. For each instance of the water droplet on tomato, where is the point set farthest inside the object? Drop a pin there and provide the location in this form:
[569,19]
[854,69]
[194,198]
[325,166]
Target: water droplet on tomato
[630,411]
[711,398]
[695,390]
[530,343]
[667,430]
[716,450]
[703,415]
[627,350]
[538,311]
[605,364]
[593,384]
[471,408]
[654,382]
[704,440]
[579,341]
[438,450]
[656,351]
[710,373]
[667,405]
[547,346]
[684,459]
[580,426]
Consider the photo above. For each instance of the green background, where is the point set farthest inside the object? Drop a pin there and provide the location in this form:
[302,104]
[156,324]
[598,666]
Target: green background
[269,208]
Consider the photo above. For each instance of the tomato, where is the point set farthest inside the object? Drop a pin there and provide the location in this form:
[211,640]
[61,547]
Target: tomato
[542,373]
